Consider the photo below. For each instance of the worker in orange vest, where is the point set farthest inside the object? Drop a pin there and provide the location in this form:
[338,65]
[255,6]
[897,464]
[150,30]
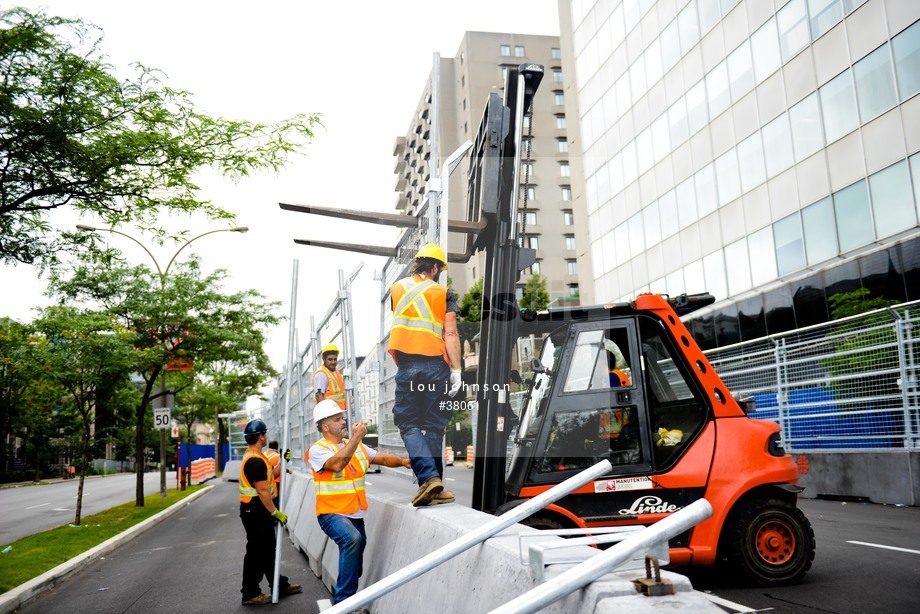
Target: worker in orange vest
[426,349]
[259,513]
[339,465]
[274,458]
[327,380]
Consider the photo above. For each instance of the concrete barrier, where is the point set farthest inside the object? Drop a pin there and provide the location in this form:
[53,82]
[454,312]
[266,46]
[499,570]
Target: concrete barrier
[232,471]
[478,580]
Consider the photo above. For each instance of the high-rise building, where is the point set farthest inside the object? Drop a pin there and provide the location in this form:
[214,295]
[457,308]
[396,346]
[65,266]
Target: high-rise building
[551,223]
[764,151]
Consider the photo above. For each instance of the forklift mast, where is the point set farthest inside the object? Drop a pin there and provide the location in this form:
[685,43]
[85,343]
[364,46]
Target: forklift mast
[494,188]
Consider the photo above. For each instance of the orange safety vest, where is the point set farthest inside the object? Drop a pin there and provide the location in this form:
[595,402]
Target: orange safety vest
[336,390]
[274,457]
[419,309]
[341,492]
[247,490]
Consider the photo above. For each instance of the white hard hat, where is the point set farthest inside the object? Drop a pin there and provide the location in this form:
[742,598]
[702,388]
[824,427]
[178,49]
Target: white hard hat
[325,409]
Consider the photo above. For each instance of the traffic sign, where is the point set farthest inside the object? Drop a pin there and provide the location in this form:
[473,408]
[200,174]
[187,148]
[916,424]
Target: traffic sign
[175,432]
[161,417]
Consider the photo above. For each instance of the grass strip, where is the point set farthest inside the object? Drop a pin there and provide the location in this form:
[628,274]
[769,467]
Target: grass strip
[34,555]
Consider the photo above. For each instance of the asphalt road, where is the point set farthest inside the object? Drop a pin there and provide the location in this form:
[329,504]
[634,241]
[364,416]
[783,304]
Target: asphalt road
[32,509]
[192,562]
[868,560]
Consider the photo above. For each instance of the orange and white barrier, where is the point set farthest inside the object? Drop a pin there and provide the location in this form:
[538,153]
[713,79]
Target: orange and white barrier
[203,469]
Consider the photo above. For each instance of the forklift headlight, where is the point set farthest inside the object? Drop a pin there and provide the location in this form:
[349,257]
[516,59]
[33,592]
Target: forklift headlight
[775,445]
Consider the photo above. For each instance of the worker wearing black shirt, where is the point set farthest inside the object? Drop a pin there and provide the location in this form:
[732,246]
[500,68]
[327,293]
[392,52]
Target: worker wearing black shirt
[258,514]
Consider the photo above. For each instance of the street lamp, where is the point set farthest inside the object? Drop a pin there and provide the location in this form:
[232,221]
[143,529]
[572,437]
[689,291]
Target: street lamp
[162,274]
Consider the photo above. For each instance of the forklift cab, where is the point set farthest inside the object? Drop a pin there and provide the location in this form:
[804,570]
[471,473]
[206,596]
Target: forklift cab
[607,385]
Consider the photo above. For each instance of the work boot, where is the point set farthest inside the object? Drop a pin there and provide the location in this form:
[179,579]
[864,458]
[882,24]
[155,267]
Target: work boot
[290,589]
[445,496]
[427,491]
[259,599]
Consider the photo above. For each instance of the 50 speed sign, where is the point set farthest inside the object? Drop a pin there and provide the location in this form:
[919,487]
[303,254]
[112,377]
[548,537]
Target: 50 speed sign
[161,417]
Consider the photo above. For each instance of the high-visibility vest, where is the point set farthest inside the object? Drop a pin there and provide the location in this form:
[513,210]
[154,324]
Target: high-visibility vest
[247,490]
[419,308]
[336,390]
[341,492]
[274,457]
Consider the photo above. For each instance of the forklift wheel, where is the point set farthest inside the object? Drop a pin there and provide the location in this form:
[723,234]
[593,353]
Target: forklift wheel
[771,542]
[542,522]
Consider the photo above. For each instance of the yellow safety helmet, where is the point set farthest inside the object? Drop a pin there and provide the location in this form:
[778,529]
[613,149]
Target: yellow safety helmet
[434,251]
[329,347]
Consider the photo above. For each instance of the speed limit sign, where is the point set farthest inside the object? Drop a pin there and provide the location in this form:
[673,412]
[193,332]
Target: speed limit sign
[161,417]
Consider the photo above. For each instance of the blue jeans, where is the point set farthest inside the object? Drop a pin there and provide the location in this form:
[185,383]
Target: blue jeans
[421,383]
[348,534]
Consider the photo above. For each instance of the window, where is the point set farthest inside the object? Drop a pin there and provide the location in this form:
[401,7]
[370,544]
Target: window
[789,244]
[737,265]
[763,256]
[697,110]
[560,121]
[717,90]
[535,268]
[566,193]
[557,75]
[530,218]
[570,241]
[892,202]
[854,218]
[805,120]
[906,49]
[555,53]
[765,51]
[533,242]
[518,51]
[571,267]
[562,146]
[792,22]
[564,169]
[568,218]
[688,26]
[750,162]
[824,14]
[777,145]
[526,122]
[740,71]
[727,177]
[573,290]
[531,193]
[505,51]
[526,169]
[558,98]
[874,84]
[838,106]
[818,228]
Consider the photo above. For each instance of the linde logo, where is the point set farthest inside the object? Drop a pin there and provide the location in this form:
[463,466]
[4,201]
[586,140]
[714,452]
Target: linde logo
[650,505]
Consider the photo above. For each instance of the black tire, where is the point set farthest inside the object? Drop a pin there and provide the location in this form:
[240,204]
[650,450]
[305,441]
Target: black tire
[542,522]
[770,542]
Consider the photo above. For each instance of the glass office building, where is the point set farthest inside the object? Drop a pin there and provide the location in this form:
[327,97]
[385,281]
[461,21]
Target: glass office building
[763,151]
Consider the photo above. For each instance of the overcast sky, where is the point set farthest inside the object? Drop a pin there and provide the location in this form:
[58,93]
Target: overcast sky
[361,63]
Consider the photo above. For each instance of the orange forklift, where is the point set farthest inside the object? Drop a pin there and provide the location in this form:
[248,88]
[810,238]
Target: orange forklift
[624,382]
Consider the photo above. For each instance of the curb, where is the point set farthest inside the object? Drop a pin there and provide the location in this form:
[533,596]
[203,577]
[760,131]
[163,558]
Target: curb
[15,598]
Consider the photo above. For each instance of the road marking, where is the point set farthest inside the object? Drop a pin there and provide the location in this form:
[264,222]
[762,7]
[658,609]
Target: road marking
[39,505]
[60,509]
[885,547]
[730,605]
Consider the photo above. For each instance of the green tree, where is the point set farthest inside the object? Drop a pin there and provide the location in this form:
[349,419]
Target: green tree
[72,134]
[535,295]
[82,351]
[183,316]
[13,382]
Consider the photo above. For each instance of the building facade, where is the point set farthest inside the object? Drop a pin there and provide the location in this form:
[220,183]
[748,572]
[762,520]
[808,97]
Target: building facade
[763,151]
[552,223]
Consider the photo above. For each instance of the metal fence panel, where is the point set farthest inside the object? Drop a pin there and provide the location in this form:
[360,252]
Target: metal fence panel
[850,384]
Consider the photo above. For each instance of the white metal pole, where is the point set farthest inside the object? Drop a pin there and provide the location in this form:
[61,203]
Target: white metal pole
[464,543]
[288,383]
[590,570]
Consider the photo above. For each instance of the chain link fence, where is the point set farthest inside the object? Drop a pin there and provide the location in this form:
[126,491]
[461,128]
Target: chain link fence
[850,384]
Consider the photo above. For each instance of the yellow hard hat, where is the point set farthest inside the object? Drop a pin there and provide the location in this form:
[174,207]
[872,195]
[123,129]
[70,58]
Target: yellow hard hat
[433,250]
[329,347]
